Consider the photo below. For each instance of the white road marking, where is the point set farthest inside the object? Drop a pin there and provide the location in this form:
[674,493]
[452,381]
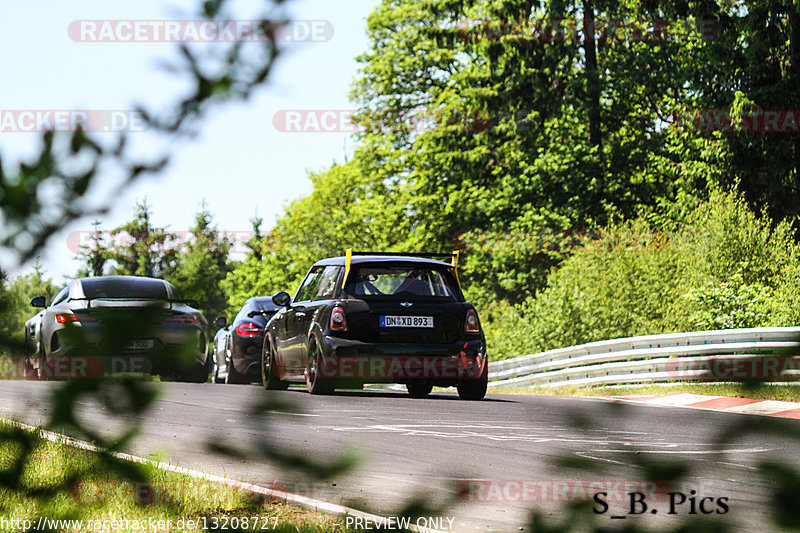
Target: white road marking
[581,454]
[693,452]
[498,433]
[734,464]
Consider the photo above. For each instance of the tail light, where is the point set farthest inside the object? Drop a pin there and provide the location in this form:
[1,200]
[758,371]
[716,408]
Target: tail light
[249,329]
[338,319]
[472,325]
[66,318]
[182,319]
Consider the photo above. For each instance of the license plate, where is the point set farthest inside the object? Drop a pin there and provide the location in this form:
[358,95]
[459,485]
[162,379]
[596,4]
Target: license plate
[391,321]
[139,344]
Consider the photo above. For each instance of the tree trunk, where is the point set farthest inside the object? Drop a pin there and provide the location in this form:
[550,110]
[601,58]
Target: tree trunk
[592,76]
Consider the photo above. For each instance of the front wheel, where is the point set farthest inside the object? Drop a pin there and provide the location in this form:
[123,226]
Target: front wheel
[315,382]
[269,377]
[45,371]
[215,373]
[28,370]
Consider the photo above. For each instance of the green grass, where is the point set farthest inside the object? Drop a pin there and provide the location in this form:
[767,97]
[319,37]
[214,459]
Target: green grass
[104,494]
[788,393]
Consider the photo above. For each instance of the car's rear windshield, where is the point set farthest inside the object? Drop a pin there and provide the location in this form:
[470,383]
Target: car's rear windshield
[124,288]
[264,305]
[405,282]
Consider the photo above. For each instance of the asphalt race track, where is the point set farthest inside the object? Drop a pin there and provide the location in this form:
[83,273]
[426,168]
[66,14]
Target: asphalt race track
[506,445]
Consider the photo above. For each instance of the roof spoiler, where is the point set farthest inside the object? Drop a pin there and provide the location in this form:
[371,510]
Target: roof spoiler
[171,301]
[349,253]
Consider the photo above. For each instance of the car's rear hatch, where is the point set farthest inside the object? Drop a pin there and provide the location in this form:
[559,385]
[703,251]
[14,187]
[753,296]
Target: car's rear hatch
[399,322]
[404,303]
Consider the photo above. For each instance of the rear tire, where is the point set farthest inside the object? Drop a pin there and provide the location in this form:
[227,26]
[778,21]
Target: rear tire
[233,377]
[474,389]
[268,376]
[197,374]
[419,390]
[315,383]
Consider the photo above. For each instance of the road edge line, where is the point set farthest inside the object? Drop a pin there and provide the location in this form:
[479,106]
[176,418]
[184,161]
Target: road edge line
[295,499]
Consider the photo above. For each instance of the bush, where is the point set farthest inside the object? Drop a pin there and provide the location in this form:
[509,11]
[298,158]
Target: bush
[509,332]
[15,299]
[723,267]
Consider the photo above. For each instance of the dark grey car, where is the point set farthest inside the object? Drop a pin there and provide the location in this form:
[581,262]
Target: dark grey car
[118,324]
[377,318]
[237,346]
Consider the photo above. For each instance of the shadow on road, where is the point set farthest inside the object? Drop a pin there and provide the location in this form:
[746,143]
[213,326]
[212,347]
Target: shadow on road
[377,393]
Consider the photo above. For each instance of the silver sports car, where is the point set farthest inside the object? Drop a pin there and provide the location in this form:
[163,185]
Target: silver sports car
[118,324]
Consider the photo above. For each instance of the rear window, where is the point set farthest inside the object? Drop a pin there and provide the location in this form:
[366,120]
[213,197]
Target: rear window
[125,288]
[264,305]
[401,282]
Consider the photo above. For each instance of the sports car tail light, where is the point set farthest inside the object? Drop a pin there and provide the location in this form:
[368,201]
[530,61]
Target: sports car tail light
[249,330]
[64,318]
[182,319]
[338,319]
[472,325]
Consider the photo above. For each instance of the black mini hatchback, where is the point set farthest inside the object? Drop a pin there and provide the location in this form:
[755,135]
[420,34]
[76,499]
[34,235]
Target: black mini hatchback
[377,318]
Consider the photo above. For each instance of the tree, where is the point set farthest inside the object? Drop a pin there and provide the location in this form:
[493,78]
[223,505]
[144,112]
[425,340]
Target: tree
[752,66]
[517,117]
[15,297]
[95,255]
[254,242]
[349,208]
[203,265]
[142,249]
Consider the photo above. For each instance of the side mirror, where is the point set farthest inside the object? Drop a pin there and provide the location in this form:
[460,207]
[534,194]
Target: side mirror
[221,322]
[39,301]
[282,299]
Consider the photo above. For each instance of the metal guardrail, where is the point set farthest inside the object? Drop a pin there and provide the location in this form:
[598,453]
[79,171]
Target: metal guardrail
[722,355]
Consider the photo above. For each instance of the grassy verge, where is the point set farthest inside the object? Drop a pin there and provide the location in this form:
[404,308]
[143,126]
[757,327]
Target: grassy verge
[44,488]
[788,393]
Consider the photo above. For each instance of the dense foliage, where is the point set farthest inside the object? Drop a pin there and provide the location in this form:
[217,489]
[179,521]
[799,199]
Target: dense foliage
[566,149]
[578,170]
[579,174]
[723,268]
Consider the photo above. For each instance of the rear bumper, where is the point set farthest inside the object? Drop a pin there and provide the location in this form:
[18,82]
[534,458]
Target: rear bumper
[87,352]
[438,364]
[61,367]
[94,335]
[246,355]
